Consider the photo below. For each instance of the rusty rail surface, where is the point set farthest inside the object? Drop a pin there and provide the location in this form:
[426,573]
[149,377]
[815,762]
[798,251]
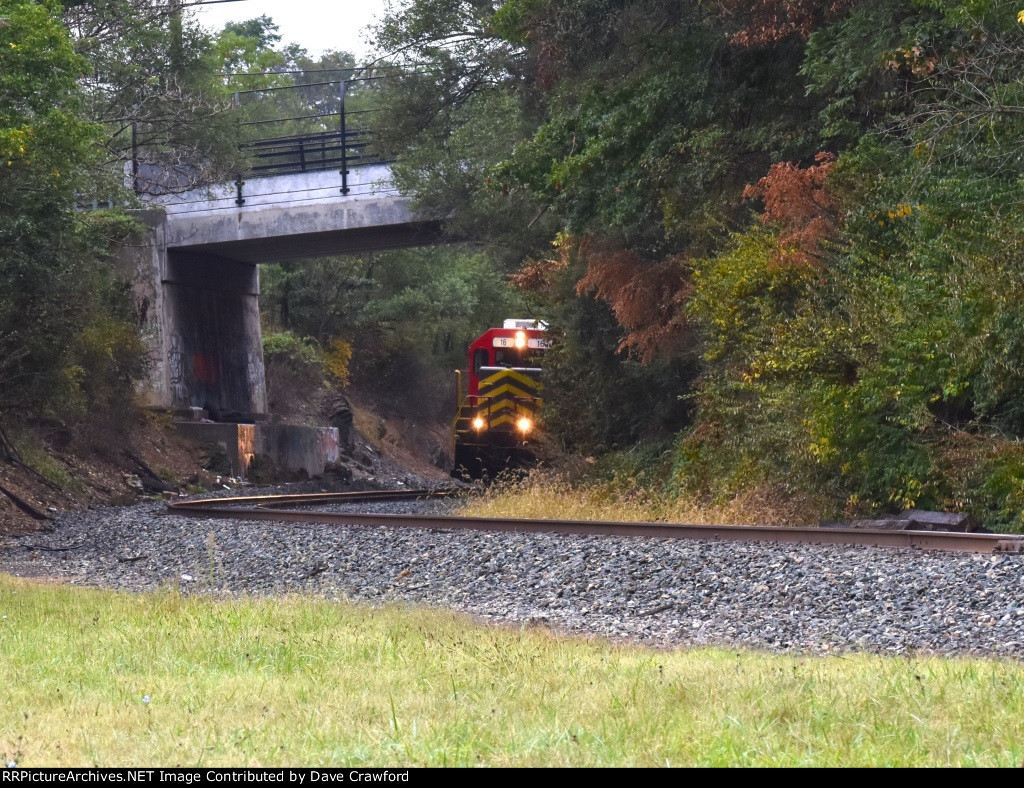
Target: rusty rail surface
[272,507]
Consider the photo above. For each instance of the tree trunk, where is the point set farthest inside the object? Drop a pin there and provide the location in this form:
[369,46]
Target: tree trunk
[7,451]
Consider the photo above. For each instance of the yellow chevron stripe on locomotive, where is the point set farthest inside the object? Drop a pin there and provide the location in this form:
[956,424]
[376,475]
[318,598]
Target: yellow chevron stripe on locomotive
[494,406]
[508,391]
[525,381]
[509,402]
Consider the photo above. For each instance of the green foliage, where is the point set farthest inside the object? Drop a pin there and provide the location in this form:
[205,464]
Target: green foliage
[859,65]
[861,371]
[298,374]
[152,81]
[450,171]
[255,65]
[300,353]
[43,136]
[659,154]
[407,316]
[34,455]
[595,399]
[860,376]
[855,373]
[763,340]
[999,489]
[68,344]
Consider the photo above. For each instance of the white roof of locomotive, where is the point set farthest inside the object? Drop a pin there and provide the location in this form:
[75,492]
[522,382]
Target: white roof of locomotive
[516,322]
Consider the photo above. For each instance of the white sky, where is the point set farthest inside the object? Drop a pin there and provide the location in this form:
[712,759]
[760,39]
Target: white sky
[315,24]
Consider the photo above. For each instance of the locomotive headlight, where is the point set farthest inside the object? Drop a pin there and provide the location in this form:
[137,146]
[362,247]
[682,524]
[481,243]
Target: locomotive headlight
[524,424]
[520,339]
[479,423]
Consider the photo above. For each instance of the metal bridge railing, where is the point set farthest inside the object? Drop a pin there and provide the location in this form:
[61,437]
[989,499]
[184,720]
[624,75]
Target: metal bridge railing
[319,150]
[324,150]
[308,152]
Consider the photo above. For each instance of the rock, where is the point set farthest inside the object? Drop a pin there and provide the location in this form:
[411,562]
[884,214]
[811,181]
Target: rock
[204,479]
[890,524]
[440,458]
[263,470]
[216,461]
[338,472]
[914,520]
[940,521]
[133,482]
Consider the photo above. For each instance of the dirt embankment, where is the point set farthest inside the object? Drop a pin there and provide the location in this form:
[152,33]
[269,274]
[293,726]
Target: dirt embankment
[411,440]
[48,480]
[388,445]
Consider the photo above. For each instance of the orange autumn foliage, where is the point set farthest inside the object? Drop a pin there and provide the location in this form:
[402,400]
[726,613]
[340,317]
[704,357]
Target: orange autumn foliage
[770,21]
[537,276]
[797,200]
[646,298]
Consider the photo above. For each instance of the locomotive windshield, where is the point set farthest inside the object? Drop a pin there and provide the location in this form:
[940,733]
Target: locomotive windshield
[513,357]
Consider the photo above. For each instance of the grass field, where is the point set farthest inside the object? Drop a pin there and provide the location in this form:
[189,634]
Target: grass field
[90,677]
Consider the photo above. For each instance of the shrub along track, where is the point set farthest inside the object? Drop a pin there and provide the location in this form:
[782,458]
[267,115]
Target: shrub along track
[296,508]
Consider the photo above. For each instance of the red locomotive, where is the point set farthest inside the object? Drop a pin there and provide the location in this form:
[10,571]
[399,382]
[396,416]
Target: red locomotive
[499,398]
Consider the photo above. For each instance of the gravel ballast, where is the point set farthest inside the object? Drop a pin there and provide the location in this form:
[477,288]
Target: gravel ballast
[777,597]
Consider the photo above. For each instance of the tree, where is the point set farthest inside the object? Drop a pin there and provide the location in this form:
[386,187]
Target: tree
[153,82]
[65,339]
[456,102]
[629,129]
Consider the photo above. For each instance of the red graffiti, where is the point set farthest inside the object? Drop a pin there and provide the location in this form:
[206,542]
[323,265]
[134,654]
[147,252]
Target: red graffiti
[204,368]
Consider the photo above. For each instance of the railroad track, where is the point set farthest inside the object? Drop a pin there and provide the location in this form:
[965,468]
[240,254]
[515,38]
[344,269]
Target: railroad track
[295,509]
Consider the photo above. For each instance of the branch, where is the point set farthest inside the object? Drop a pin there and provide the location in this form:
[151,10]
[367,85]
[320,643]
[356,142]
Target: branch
[24,505]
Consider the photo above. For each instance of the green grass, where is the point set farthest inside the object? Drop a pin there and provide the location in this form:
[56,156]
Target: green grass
[51,470]
[307,682]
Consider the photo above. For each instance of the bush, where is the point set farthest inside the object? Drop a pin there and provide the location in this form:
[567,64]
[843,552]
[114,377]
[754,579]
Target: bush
[337,359]
[296,374]
[864,373]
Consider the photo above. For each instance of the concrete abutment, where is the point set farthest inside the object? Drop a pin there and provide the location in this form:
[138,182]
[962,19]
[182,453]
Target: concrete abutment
[199,315]
[214,341]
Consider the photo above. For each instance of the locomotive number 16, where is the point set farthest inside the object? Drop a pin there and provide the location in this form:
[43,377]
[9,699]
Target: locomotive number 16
[533,344]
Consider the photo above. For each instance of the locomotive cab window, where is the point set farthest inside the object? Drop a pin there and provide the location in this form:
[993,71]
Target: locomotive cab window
[511,357]
[479,359]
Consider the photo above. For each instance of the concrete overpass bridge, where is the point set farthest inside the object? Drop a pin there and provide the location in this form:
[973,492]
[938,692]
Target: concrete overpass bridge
[195,274]
[196,278]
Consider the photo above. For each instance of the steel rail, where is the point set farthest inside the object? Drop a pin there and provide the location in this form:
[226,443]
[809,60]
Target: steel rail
[270,507]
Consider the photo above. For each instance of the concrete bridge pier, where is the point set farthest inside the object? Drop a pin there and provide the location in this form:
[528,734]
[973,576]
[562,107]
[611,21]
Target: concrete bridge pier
[214,342]
[199,315]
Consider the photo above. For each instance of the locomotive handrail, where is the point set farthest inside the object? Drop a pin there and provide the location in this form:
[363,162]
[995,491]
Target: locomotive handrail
[530,370]
[460,398]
